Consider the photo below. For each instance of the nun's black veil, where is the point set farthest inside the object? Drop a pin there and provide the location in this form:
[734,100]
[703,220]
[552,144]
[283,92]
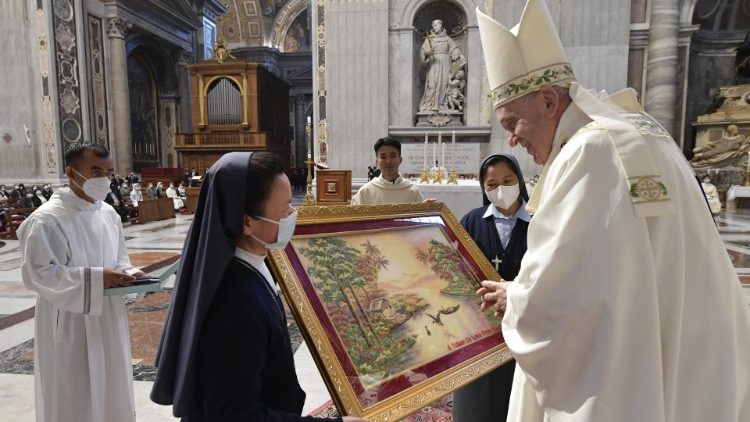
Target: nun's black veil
[513,163]
[208,250]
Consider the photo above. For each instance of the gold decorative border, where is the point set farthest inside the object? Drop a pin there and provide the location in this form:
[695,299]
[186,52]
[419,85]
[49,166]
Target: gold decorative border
[413,398]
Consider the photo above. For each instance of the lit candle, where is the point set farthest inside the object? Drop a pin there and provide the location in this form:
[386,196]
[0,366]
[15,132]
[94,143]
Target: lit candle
[309,120]
[442,149]
[434,156]
[453,146]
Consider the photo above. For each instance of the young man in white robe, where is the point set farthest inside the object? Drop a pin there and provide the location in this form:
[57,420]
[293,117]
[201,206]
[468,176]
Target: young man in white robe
[73,248]
[389,187]
[626,306]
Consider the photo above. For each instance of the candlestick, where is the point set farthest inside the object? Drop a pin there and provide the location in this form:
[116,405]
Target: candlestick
[453,149]
[424,152]
[309,198]
[442,149]
[434,154]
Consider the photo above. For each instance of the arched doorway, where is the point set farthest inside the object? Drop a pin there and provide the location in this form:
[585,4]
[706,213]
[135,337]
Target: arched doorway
[144,118]
[153,90]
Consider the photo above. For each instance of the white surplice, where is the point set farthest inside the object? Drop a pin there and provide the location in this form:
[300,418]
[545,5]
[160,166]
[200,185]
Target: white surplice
[82,357]
[381,191]
[615,317]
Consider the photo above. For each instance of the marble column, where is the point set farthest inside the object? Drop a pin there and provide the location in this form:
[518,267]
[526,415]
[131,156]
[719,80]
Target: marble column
[661,68]
[299,130]
[185,123]
[123,154]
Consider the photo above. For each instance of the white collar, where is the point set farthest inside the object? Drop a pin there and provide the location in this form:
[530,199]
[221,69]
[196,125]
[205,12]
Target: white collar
[253,259]
[67,195]
[398,180]
[257,262]
[521,213]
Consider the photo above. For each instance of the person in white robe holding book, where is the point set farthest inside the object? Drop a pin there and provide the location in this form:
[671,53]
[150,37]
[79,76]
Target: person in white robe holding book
[72,248]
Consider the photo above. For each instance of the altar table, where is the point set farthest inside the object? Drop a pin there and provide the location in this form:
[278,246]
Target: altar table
[460,199]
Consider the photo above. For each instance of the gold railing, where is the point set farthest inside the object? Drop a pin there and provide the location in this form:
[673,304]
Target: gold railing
[220,139]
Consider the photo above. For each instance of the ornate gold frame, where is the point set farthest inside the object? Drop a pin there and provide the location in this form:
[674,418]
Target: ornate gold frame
[408,401]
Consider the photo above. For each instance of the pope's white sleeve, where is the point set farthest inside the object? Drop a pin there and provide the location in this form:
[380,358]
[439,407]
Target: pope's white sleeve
[563,295]
[44,254]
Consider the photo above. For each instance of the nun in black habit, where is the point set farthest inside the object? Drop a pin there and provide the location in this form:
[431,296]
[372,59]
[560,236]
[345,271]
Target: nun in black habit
[225,353]
[499,228]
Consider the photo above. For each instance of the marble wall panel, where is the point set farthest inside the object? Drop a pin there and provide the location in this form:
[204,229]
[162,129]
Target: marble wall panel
[68,80]
[356,81]
[98,81]
[21,145]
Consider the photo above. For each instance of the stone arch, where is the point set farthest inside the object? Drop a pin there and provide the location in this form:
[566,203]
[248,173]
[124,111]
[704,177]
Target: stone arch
[284,20]
[687,10]
[410,12]
[159,59]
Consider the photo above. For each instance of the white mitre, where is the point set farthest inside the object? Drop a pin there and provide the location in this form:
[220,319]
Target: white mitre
[530,56]
[525,58]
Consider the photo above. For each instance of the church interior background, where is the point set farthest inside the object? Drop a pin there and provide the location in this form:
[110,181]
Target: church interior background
[324,79]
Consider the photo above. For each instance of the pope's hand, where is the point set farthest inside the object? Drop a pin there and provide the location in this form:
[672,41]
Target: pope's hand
[493,295]
[115,279]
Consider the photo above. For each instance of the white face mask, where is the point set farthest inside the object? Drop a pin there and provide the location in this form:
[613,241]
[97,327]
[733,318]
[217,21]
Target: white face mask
[95,188]
[503,197]
[286,230]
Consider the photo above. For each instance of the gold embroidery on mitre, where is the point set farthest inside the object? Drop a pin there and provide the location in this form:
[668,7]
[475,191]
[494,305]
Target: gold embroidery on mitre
[647,189]
[533,81]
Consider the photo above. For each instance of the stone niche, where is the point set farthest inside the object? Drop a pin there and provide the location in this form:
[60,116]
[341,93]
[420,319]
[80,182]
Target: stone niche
[447,68]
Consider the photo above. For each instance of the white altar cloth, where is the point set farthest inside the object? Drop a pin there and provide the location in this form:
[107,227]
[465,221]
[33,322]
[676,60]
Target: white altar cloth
[460,198]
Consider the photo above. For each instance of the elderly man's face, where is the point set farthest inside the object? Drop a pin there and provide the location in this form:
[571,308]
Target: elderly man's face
[528,124]
[437,25]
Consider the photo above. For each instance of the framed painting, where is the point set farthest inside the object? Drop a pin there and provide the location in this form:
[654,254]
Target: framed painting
[385,297]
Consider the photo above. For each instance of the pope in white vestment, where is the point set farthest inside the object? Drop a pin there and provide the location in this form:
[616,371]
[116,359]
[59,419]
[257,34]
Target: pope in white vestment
[83,369]
[626,306]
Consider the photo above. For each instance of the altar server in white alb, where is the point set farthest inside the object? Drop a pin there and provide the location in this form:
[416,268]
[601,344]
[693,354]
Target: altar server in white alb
[72,249]
[626,306]
[389,187]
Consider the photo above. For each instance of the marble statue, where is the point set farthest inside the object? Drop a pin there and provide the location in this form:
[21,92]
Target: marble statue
[454,93]
[443,58]
[732,147]
[321,161]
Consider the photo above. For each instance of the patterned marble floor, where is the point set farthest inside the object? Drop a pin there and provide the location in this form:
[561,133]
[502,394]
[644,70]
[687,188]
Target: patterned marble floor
[153,247]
